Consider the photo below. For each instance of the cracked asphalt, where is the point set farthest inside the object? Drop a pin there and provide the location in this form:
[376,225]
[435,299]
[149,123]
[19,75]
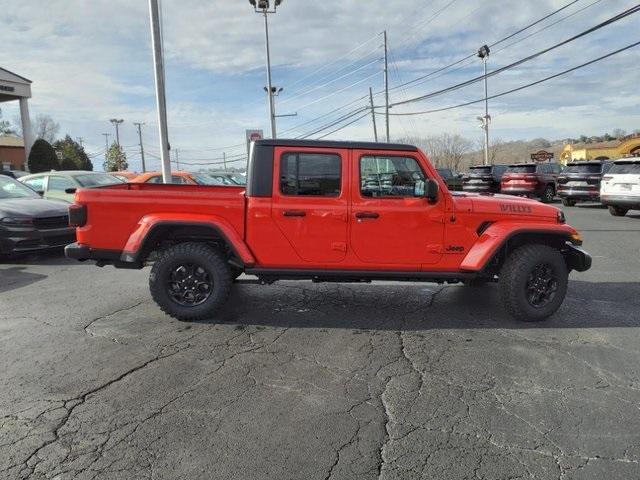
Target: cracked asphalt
[321,381]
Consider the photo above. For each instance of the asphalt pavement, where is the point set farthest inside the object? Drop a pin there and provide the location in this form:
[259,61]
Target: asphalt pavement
[322,381]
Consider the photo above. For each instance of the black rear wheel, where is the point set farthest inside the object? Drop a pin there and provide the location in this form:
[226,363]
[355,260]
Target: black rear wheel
[190,281]
[548,194]
[533,282]
[568,202]
[617,211]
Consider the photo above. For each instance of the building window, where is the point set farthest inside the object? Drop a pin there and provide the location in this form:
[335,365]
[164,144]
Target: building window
[310,174]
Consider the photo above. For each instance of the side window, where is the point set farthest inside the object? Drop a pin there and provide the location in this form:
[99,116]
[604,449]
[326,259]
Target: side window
[59,184]
[310,174]
[156,179]
[556,168]
[382,176]
[36,183]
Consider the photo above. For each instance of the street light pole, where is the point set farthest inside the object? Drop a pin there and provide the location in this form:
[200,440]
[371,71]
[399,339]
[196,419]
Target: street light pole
[483,53]
[262,6]
[139,125]
[106,145]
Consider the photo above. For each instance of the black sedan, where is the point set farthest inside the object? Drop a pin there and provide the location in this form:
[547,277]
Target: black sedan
[28,222]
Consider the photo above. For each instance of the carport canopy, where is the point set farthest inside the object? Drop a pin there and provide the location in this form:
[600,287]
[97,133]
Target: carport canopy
[14,87]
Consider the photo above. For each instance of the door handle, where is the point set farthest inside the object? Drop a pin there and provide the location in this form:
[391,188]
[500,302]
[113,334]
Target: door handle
[294,213]
[367,215]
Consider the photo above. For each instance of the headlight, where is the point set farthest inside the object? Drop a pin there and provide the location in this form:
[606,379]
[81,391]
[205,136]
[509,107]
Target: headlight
[16,221]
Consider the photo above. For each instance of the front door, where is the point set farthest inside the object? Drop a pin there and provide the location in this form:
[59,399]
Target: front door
[392,222]
[310,202]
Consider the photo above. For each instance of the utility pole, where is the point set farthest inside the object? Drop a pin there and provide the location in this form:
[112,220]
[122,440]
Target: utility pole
[373,115]
[116,122]
[262,6]
[386,85]
[106,145]
[158,61]
[80,141]
[139,125]
[224,160]
[483,53]
[177,160]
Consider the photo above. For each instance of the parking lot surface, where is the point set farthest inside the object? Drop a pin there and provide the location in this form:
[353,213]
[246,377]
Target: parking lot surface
[315,381]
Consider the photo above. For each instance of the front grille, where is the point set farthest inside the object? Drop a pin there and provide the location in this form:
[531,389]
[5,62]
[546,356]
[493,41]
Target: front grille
[60,240]
[49,223]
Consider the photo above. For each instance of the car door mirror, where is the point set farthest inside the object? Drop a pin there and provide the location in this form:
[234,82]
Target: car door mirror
[40,192]
[71,190]
[431,190]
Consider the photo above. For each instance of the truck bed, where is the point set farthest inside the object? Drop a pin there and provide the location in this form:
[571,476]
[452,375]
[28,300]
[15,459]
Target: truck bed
[125,205]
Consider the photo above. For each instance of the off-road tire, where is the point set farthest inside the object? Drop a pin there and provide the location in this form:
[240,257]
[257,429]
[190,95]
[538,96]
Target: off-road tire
[515,275]
[618,211]
[548,194]
[198,254]
[568,203]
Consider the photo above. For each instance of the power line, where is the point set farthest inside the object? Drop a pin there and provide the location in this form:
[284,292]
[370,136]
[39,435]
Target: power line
[366,114]
[528,85]
[497,42]
[335,122]
[471,81]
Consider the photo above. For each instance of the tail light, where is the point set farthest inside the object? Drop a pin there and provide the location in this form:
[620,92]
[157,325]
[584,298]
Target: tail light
[77,215]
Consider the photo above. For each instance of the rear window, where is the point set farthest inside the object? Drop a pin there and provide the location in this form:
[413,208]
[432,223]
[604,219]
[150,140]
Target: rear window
[310,174]
[97,179]
[583,168]
[625,168]
[481,170]
[521,169]
[445,172]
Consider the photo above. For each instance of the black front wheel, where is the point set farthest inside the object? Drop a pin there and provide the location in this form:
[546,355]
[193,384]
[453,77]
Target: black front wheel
[568,203]
[617,211]
[533,282]
[190,281]
[548,194]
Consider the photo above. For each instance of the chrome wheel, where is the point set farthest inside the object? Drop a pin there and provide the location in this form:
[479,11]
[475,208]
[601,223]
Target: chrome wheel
[189,285]
[542,285]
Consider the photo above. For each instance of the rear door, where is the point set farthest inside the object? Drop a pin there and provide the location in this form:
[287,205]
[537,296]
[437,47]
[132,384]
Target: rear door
[57,186]
[310,201]
[392,223]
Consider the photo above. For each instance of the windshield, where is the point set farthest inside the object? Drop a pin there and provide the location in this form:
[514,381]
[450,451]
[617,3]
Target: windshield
[97,179]
[238,179]
[481,170]
[10,188]
[207,179]
[625,168]
[445,172]
[584,168]
[521,169]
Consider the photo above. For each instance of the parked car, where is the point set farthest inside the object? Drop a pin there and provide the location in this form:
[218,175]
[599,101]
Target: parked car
[54,185]
[124,176]
[317,210]
[451,178]
[580,181]
[620,187]
[229,178]
[483,178]
[532,180]
[28,222]
[13,173]
[185,178]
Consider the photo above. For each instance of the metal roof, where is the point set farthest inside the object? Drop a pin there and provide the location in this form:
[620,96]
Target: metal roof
[11,141]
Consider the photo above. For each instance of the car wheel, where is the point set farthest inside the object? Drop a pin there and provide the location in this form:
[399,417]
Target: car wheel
[617,211]
[190,281]
[568,203]
[548,194]
[533,282]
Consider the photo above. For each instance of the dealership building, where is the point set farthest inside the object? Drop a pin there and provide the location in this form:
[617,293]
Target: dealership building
[14,151]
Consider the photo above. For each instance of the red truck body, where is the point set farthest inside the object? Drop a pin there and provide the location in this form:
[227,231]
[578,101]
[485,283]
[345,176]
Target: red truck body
[360,224]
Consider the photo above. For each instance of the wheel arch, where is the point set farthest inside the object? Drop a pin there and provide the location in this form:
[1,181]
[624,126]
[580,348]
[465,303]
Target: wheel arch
[154,231]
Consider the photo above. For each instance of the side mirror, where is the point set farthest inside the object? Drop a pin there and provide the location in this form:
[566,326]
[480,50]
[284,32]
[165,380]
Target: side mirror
[71,190]
[431,190]
[40,192]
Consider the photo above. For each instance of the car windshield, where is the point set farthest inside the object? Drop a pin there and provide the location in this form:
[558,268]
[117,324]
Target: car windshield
[584,168]
[10,188]
[96,179]
[480,170]
[521,169]
[625,168]
[208,179]
[445,172]
[238,179]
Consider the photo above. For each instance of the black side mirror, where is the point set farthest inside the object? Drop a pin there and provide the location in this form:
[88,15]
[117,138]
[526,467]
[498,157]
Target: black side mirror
[40,192]
[431,190]
[71,190]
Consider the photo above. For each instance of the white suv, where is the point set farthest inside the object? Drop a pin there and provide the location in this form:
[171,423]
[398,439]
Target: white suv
[620,187]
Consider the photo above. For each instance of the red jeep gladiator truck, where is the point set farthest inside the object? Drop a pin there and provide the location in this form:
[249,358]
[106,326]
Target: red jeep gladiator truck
[328,212]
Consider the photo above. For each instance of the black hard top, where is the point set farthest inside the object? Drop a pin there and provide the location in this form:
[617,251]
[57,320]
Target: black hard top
[492,165]
[281,142]
[587,162]
[628,160]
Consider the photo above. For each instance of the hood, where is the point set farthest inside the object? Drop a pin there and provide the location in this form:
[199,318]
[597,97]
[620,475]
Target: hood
[496,204]
[32,207]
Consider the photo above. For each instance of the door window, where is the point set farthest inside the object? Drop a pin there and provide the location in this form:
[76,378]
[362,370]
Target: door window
[391,177]
[310,174]
[36,183]
[59,184]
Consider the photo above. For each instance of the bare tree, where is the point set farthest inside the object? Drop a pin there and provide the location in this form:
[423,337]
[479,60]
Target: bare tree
[46,128]
[618,133]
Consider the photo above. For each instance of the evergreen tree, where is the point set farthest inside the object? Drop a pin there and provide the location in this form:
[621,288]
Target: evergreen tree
[116,159]
[42,157]
[73,155]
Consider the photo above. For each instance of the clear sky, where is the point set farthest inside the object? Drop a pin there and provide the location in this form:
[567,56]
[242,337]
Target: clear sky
[91,60]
